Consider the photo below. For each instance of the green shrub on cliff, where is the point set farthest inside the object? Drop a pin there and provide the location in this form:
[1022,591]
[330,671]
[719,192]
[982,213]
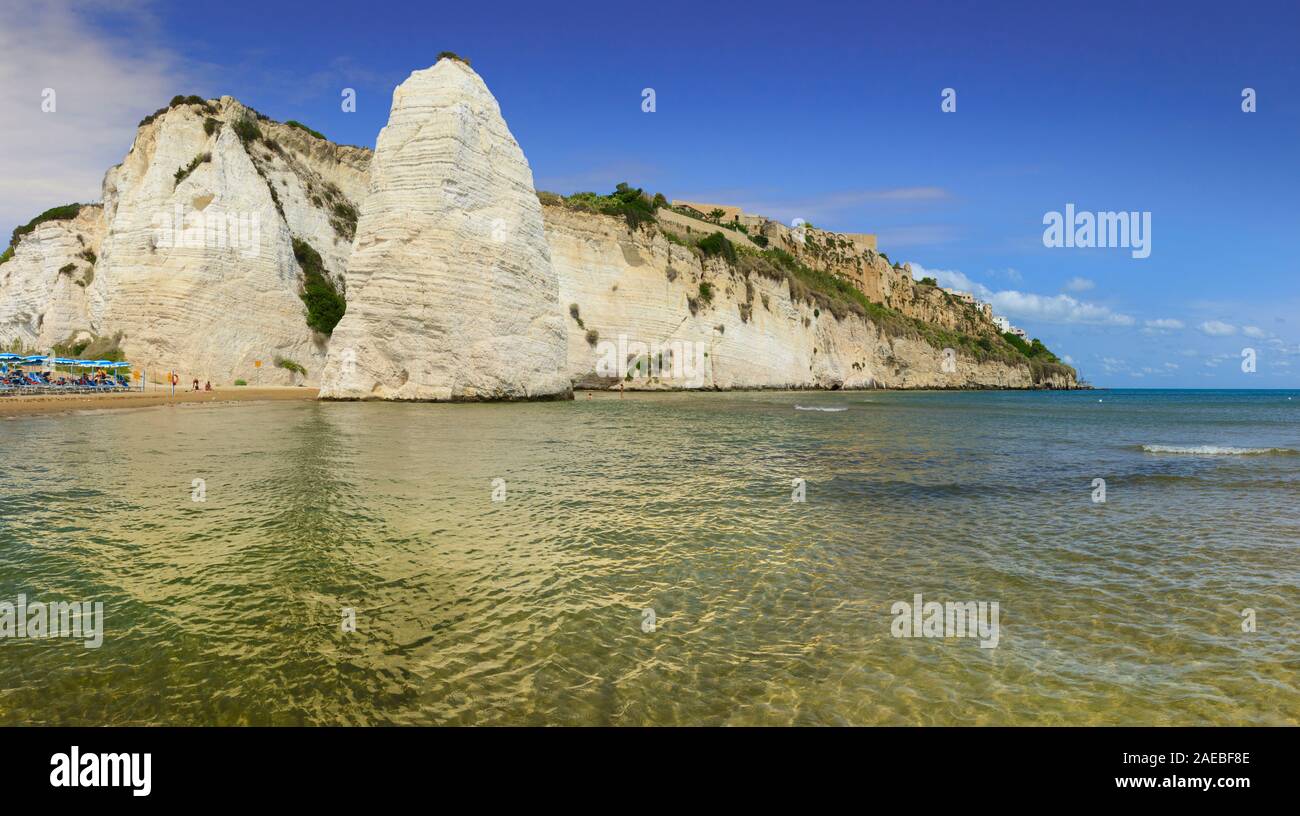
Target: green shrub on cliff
[325,306]
[290,365]
[717,245]
[183,172]
[176,102]
[343,219]
[65,213]
[631,203]
[247,130]
[451,55]
[294,123]
[1016,343]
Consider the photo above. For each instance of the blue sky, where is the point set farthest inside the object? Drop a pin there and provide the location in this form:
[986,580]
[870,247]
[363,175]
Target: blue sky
[830,112]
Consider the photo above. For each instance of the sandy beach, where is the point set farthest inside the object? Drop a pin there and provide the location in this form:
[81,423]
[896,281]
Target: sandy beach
[11,406]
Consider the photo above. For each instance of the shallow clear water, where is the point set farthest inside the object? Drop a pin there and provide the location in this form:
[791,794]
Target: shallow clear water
[767,611]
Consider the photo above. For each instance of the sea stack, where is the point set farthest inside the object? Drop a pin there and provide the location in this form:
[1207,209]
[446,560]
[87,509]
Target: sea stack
[451,292]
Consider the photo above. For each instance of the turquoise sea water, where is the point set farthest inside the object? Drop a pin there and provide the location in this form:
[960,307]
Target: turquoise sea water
[767,611]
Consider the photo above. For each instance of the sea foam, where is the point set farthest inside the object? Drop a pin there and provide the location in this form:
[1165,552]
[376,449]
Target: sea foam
[1215,450]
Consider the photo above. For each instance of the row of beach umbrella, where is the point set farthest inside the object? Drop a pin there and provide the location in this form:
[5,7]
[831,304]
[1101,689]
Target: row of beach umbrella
[46,360]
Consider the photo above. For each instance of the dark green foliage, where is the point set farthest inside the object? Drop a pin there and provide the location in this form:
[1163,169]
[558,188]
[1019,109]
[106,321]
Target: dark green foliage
[706,292]
[1016,343]
[247,130]
[344,220]
[98,348]
[183,172]
[294,123]
[717,244]
[290,365]
[177,101]
[275,197]
[636,208]
[7,254]
[592,337]
[927,281]
[452,55]
[64,213]
[761,240]
[67,269]
[71,349]
[210,125]
[659,201]
[325,306]
[830,293]
[152,116]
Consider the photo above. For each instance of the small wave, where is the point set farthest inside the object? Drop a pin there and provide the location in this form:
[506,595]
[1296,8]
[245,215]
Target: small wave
[819,408]
[1216,450]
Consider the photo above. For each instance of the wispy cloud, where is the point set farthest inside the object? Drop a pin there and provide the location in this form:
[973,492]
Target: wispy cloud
[1218,328]
[1057,309]
[1079,284]
[1028,306]
[1161,325]
[103,84]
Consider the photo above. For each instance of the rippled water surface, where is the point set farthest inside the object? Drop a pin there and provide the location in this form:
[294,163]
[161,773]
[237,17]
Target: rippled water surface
[529,610]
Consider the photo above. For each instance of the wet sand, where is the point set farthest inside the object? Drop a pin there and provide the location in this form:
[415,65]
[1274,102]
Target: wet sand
[61,403]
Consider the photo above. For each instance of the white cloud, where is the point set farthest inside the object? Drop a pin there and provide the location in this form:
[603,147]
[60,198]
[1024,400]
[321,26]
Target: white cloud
[1056,309]
[1028,306]
[1111,364]
[952,279]
[1253,331]
[103,86]
[1079,284]
[1217,328]
[1164,324]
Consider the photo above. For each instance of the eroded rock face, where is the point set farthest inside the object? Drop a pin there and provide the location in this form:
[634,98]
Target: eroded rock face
[194,272]
[451,293]
[49,290]
[632,297]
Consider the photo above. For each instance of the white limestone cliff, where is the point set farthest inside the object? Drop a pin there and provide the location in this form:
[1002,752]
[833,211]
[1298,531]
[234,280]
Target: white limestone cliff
[633,295]
[49,289]
[451,293]
[196,274]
